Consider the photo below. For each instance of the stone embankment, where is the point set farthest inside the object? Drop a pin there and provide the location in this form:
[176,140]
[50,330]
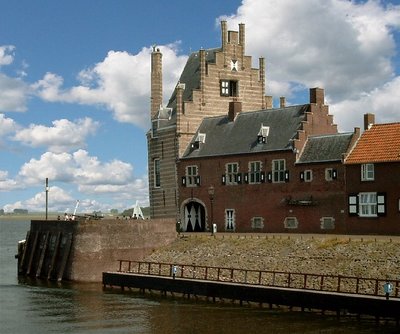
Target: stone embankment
[369,257]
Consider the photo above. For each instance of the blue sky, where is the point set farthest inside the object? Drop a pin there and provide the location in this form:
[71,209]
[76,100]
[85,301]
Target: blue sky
[75,81]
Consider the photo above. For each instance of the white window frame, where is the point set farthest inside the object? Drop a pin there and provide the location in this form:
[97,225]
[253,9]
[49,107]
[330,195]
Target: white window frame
[367,172]
[231,171]
[368,204]
[255,172]
[329,174]
[278,170]
[291,223]
[308,175]
[257,222]
[230,217]
[228,87]
[192,173]
[327,223]
[157,173]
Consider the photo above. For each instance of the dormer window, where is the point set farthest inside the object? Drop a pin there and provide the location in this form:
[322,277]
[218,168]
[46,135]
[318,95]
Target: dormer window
[263,134]
[200,139]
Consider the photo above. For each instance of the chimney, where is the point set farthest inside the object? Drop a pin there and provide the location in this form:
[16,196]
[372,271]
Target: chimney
[261,73]
[369,119]
[242,35]
[235,107]
[282,102]
[269,102]
[156,81]
[317,96]
[224,34]
[179,98]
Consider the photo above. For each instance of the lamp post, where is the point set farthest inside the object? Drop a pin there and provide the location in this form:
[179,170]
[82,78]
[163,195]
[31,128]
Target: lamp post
[47,196]
[211,192]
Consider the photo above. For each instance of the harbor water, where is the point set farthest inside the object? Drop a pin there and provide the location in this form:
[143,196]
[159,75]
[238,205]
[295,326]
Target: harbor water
[33,306]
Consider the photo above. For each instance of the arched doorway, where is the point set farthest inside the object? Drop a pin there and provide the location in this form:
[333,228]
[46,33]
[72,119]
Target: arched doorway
[194,219]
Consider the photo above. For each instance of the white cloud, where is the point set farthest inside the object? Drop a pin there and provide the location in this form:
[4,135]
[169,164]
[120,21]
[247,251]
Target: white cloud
[59,200]
[7,184]
[13,91]
[13,94]
[6,54]
[78,168]
[63,136]
[7,125]
[345,47]
[382,101]
[121,82]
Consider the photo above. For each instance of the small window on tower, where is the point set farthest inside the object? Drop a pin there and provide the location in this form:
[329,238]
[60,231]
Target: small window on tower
[228,88]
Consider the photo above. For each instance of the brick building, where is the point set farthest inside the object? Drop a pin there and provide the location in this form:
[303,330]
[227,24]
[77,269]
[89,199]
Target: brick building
[218,153]
[271,170]
[373,180]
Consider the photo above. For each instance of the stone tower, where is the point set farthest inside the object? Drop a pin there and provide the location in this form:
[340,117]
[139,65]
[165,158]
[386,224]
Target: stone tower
[210,81]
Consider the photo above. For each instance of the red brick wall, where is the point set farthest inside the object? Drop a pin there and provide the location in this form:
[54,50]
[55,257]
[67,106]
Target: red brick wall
[268,200]
[387,180]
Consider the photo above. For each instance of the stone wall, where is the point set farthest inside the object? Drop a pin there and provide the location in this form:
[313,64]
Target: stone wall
[369,257]
[99,244]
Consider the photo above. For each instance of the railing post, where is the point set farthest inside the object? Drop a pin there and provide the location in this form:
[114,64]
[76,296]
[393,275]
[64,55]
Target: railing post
[376,287]
[289,278]
[206,273]
[338,285]
[219,269]
[120,265]
[322,282]
[259,277]
[305,281]
[357,283]
[245,276]
[148,268]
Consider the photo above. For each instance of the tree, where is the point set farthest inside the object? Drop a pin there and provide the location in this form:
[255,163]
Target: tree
[114,211]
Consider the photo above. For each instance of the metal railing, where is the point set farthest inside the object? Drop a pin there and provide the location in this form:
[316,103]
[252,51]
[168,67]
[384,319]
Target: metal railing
[316,282]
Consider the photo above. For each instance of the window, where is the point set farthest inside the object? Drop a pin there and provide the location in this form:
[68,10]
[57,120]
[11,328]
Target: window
[157,178]
[192,177]
[231,173]
[278,170]
[257,223]
[308,175]
[262,134]
[367,205]
[291,222]
[367,172]
[230,220]
[228,88]
[327,223]
[330,174]
[255,171]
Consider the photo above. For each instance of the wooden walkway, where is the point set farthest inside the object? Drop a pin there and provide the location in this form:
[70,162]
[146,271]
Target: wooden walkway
[343,295]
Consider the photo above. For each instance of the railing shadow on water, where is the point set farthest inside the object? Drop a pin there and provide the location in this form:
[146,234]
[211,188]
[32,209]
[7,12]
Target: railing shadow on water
[292,280]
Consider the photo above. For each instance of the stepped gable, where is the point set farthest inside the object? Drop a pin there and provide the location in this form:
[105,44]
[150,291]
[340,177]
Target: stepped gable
[190,77]
[325,148]
[379,143]
[224,137]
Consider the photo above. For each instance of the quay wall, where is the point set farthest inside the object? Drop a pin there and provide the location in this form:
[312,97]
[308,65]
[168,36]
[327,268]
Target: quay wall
[358,256]
[99,244]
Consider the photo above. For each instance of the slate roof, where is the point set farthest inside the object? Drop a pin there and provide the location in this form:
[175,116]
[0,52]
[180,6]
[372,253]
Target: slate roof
[380,143]
[325,148]
[240,136]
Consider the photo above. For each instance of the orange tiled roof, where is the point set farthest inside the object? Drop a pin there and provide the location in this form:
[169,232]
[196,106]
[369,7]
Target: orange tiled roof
[380,143]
